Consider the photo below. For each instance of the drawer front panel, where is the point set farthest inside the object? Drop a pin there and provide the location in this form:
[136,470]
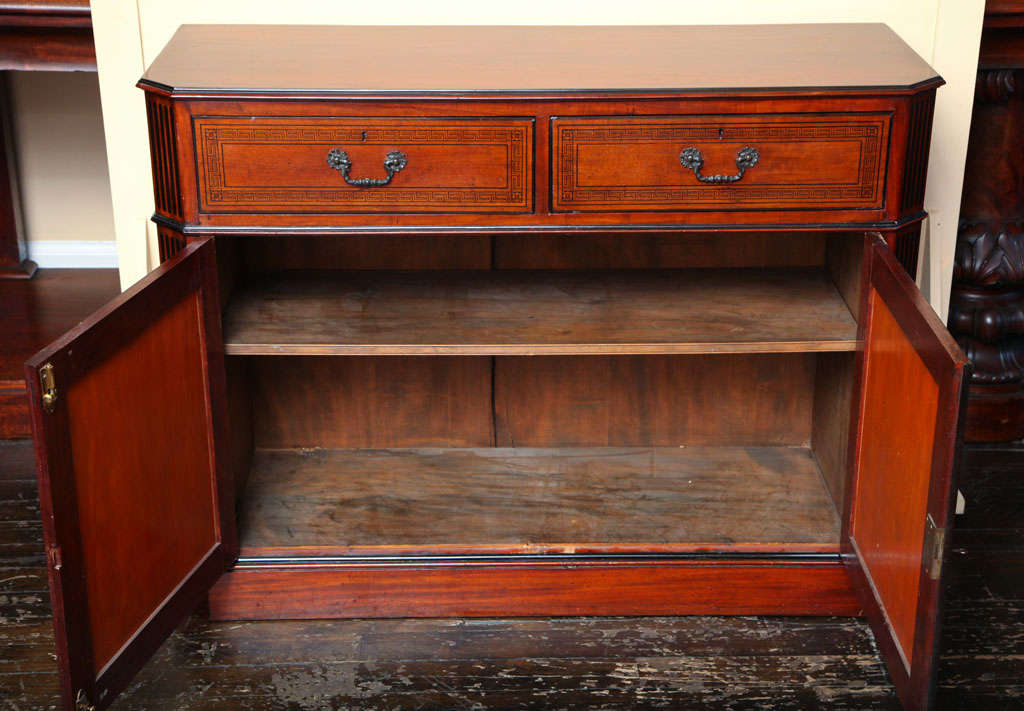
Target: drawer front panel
[280,165]
[826,162]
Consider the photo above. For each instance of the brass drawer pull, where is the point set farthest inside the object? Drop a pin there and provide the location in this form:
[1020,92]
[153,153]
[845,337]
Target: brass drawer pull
[692,159]
[338,159]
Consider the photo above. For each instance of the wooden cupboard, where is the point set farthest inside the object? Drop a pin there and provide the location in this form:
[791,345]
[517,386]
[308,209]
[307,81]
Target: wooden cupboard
[512,321]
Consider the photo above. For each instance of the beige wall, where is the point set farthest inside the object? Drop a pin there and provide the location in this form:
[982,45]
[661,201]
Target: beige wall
[61,154]
[944,32]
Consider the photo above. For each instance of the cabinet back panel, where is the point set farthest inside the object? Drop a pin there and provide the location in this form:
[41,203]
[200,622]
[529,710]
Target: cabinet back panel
[372,402]
[660,251]
[598,401]
[581,401]
[268,254]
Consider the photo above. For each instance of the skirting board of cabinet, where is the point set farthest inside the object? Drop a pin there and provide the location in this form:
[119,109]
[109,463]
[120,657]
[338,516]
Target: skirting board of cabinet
[285,590]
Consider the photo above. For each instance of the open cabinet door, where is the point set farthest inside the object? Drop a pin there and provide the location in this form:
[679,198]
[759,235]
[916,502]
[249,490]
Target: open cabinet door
[906,435]
[128,413]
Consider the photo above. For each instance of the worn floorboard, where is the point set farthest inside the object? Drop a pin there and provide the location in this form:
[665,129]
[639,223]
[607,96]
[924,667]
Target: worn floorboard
[734,663]
[982,662]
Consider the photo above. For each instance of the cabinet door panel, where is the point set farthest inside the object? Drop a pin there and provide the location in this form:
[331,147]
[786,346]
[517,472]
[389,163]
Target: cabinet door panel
[132,476]
[907,434]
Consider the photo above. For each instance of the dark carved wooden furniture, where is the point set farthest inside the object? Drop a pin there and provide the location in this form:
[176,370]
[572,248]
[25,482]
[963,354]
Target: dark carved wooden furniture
[50,36]
[528,321]
[986,310]
[39,35]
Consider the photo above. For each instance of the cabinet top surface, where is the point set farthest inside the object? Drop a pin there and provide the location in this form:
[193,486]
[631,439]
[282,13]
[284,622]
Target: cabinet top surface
[494,59]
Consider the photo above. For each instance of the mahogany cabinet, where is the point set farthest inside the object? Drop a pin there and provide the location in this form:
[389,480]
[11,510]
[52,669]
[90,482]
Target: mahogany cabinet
[512,321]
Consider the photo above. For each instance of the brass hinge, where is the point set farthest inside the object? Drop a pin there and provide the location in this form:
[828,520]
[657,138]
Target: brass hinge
[48,384]
[935,544]
[56,559]
[82,702]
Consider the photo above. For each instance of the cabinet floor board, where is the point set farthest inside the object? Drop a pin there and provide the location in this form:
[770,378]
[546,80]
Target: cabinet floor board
[609,499]
[523,312]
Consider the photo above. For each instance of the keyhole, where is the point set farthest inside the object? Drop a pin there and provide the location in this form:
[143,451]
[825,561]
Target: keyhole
[364,136]
[721,132]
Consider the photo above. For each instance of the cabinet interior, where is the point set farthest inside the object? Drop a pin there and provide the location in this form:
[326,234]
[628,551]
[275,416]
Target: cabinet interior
[464,394]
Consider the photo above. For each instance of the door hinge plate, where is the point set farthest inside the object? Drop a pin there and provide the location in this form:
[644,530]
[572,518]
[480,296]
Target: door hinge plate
[935,545]
[56,559]
[48,386]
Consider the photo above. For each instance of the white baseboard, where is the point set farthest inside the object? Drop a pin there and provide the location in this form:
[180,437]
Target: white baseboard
[77,254]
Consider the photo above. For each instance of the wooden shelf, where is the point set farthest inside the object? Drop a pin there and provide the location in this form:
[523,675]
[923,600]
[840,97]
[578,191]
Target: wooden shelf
[539,312]
[525,500]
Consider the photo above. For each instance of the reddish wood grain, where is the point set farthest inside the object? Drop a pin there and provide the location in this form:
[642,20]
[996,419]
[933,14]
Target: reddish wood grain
[131,472]
[254,164]
[906,472]
[34,312]
[497,108]
[64,47]
[15,420]
[888,519]
[628,163]
[163,152]
[39,311]
[525,590]
[51,35]
[851,57]
[238,80]
[113,497]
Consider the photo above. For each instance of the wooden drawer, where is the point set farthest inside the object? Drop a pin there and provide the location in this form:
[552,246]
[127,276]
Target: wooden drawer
[262,164]
[825,161]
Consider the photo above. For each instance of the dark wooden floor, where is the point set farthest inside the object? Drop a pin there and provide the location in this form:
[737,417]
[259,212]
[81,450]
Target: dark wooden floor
[39,310]
[34,312]
[638,663]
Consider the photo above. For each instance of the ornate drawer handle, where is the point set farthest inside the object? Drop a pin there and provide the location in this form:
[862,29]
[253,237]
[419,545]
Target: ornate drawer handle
[338,159]
[692,159]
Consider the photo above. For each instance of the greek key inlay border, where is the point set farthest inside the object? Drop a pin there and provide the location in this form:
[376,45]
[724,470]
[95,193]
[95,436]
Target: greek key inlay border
[866,192]
[516,136]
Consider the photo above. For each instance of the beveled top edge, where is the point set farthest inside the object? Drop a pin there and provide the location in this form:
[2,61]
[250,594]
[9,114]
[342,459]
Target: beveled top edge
[45,7]
[456,60]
